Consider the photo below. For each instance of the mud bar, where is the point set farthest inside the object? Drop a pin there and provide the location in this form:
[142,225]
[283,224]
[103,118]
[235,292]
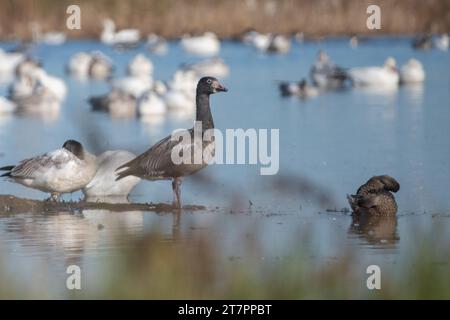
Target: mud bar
[11,204]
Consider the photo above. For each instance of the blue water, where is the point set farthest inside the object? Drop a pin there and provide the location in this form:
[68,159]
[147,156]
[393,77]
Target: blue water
[336,141]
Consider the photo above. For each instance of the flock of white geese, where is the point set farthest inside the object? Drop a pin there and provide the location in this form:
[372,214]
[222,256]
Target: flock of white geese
[33,90]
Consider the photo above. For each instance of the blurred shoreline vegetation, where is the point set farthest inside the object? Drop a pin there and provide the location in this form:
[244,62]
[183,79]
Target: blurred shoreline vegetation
[227,18]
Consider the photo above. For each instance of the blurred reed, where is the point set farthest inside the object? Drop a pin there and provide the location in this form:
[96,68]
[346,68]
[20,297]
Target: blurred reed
[172,18]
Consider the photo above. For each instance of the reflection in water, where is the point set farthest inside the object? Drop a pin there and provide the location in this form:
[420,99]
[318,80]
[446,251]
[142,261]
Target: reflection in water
[378,91]
[71,234]
[47,113]
[375,229]
[415,93]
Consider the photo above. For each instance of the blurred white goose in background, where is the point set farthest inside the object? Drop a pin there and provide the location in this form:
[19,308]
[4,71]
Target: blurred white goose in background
[26,67]
[7,106]
[160,87]
[104,181]
[35,88]
[260,41]
[54,38]
[205,45]
[9,63]
[150,104]
[353,42]
[140,66]
[181,90]
[301,89]
[412,72]
[134,86]
[101,66]
[95,65]
[325,74]
[442,42]
[54,85]
[117,103]
[214,67]
[79,65]
[386,75]
[157,45]
[109,35]
[279,44]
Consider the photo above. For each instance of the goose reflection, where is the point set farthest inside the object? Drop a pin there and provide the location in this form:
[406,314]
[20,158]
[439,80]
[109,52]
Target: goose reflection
[376,230]
[70,234]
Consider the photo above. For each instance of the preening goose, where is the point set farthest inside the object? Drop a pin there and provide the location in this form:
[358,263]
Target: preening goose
[104,183]
[61,171]
[157,164]
[375,197]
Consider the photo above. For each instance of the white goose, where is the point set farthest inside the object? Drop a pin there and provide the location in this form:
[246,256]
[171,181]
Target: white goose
[386,75]
[214,67]
[279,44]
[205,45]
[61,171]
[260,41]
[181,92]
[53,38]
[157,45]
[442,42]
[54,85]
[117,103]
[140,66]
[79,65]
[104,183]
[9,62]
[134,86]
[7,106]
[95,65]
[412,72]
[109,35]
[37,93]
[151,105]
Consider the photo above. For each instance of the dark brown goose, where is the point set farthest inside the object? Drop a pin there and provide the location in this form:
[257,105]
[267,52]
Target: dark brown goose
[156,163]
[375,197]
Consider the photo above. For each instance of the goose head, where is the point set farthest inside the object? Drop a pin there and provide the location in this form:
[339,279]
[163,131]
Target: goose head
[74,147]
[414,63]
[322,56]
[210,85]
[391,64]
[109,25]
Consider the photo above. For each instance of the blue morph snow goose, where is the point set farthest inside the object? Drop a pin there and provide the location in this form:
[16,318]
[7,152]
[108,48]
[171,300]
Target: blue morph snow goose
[157,164]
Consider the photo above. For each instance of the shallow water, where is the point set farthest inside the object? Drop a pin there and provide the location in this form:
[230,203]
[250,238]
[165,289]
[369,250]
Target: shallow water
[335,142]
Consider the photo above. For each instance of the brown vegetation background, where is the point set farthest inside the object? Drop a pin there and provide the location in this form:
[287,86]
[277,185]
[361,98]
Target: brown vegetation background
[173,18]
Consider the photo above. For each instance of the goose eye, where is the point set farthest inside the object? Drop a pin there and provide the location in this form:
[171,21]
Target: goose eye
[209,81]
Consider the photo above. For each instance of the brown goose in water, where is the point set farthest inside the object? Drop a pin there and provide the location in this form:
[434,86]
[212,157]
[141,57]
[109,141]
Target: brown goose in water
[156,163]
[375,197]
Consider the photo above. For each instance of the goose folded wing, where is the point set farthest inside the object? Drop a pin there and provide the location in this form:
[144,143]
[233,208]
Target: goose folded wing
[32,167]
